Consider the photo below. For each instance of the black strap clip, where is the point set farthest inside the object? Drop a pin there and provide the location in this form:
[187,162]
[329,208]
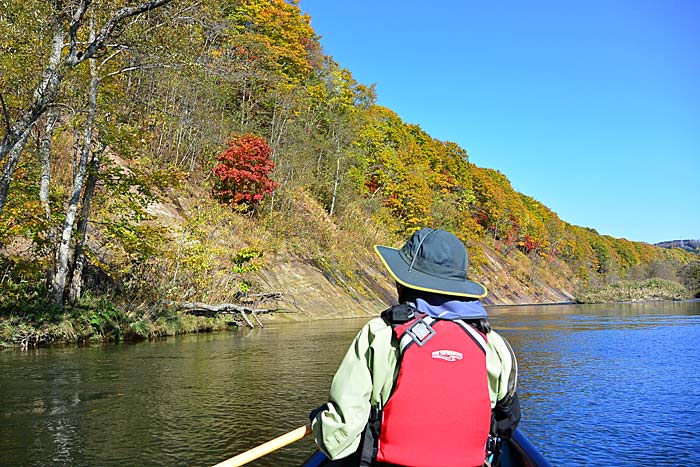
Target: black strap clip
[399,314]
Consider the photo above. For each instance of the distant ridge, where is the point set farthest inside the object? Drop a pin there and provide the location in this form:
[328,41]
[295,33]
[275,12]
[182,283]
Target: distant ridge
[693,246]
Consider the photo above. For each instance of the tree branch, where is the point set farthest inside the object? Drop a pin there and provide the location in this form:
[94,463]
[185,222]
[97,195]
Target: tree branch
[8,123]
[112,24]
[220,308]
[135,67]
[227,308]
[75,23]
[120,49]
[77,18]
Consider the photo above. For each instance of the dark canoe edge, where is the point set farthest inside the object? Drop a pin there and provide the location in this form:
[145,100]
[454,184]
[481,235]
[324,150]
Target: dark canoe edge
[517,452]
[316,460]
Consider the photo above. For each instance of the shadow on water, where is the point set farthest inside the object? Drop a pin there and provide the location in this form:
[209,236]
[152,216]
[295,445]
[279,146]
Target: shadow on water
[189,400]
[596,382]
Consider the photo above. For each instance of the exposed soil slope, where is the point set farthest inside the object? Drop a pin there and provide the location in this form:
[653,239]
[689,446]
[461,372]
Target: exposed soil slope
[313,294]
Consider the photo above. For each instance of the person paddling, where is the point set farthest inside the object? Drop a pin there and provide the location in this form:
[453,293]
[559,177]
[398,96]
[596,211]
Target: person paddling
[428,383]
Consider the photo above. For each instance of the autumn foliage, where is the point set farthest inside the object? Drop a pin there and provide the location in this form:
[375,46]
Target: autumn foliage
[354,172]
[243,171]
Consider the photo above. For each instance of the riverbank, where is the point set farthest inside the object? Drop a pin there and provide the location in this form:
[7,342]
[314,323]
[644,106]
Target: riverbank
[635,291]
[96,320]
[309,293]
[99,320]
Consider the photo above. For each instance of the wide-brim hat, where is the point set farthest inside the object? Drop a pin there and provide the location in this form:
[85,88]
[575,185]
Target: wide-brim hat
[432,261]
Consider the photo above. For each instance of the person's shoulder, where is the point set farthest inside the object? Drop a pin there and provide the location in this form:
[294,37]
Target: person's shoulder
[375,330]
[377,324]
[373,326]
[499,344]
[495,339]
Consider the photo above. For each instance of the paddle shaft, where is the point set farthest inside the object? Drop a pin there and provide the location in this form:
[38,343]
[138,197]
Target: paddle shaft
[266,448]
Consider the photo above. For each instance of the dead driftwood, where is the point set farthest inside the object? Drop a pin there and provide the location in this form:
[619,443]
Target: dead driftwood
[240,309]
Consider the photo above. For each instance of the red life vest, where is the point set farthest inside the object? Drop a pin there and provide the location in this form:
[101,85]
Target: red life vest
[439,412]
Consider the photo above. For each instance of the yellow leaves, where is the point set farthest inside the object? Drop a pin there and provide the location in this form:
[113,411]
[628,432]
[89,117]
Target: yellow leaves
[317,92]
[423,181]
[22,218]
[285,32]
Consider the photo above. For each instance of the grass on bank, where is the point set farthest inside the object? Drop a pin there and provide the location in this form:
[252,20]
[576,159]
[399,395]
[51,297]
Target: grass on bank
[635,291]
[96,319]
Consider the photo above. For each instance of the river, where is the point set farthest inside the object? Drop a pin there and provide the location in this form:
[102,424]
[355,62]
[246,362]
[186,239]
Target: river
[603,384]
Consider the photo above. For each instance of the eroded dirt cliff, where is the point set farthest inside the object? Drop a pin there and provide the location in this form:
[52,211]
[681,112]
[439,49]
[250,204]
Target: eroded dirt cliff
[314,294]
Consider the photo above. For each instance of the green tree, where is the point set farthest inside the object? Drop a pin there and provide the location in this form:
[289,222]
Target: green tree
[68,24]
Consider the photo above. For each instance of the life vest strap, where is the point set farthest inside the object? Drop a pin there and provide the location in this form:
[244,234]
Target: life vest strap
[420,332]
[476,335]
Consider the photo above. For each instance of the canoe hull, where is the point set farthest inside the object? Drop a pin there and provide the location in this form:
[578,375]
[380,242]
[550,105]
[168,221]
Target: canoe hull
[517,452]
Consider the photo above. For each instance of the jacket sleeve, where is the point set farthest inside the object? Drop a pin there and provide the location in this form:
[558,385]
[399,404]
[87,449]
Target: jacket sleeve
[505,404]
[506,416]
[337,430]
[502,368]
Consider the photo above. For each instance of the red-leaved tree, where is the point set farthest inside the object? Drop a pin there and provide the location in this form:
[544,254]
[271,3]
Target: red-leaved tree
[243,171]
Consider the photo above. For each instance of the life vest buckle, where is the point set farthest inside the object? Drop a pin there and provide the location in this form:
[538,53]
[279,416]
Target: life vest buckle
[420,332]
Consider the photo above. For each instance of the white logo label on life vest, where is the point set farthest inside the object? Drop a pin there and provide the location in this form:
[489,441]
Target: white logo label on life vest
[447,355]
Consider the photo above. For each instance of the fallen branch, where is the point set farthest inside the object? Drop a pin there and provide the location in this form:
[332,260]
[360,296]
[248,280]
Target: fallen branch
[256,319]
[221,308]
[199,308]
[259,297]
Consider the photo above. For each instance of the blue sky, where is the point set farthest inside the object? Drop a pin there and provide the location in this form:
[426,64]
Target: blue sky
[592,108]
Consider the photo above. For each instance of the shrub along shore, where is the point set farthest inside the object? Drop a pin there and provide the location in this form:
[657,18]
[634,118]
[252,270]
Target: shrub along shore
[635,291]
[99,320]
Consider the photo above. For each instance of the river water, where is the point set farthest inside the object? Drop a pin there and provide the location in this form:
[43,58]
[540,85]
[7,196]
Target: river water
[599,385]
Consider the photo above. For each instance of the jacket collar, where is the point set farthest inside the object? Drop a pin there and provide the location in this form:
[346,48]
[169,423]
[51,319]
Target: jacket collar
[446,307]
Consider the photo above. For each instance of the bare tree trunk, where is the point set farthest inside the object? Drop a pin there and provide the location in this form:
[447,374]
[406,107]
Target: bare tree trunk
[44,94]
[273,124]
[80,171]
[13,143]
[243,108]
[336,182]
[76,282]
[45,155]
[76,279]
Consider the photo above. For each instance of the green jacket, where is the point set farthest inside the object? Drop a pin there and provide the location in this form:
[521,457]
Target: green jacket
[366,377]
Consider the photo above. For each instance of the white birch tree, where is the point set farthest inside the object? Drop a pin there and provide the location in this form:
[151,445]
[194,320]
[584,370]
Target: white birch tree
[68,20]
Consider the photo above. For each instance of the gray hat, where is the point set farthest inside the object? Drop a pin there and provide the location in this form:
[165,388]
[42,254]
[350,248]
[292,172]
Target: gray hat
[432,261]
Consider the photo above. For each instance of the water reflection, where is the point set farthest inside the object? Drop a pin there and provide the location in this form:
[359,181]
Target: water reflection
[597,382]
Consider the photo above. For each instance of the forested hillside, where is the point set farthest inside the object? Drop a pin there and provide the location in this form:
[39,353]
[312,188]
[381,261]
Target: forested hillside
[692,246]
[165,151]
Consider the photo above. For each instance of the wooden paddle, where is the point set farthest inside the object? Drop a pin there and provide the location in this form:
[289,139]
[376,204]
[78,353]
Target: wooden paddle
[266,448]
